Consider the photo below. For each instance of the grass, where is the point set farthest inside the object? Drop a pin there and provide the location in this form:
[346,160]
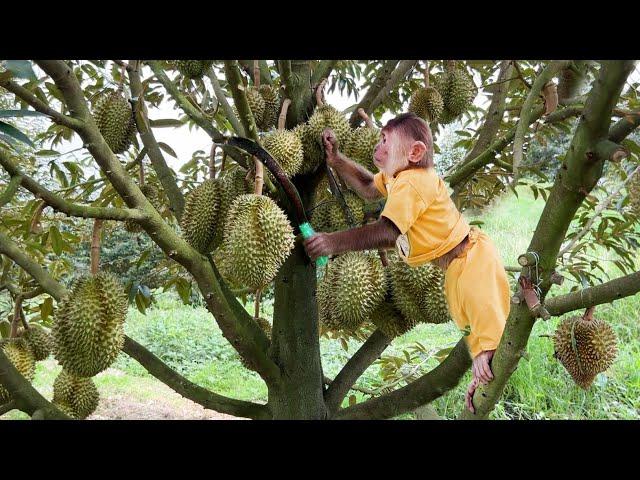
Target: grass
[189,340]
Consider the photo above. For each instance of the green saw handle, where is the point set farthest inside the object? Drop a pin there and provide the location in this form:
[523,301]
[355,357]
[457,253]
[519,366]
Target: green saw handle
[307,231]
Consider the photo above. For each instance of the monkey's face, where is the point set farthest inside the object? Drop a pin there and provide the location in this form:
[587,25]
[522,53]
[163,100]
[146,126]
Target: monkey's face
[390,154]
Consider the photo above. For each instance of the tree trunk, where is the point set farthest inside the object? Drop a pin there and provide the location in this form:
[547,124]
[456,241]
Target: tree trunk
[295,344]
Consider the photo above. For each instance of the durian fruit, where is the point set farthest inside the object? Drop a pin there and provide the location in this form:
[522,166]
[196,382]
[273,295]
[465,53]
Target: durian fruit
[153,195]
[354,285]
[633,190]
[458,92]
[39,341]
[418,292]
[585,347]
[337,217]
[192,68]
[234,183]
[390,321]
[114,118]
[427,104]
[199,223]
[88,329]
[256,104]
[312,150]
[20,355]
[76,396]
[257,239]
[326,116]
[271,98]
[361,145]
[286,147]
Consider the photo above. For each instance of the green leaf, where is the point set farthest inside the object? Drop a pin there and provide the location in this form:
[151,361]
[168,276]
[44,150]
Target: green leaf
[21,69]
[142,258]
[12,131]
[345,345]
[56,240]
[47,153]
[168,149]
[140,303]
[20,113]
[46,308]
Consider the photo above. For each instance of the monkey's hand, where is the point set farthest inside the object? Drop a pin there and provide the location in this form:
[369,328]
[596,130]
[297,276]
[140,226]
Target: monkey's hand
[319,245]
[330,142]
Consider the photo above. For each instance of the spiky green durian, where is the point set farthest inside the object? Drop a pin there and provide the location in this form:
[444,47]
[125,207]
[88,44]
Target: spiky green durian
[76,396]
[257,239]
[427,104]
[390,321]
[20,355]
[271,98]
[338,220]
[38,340]
[114,117]
[88,328]
[361,145]
[153,195]
[585,348]
[199,223]
[193,68]
[418,292]
[286,147]
[352,287]
[312,150]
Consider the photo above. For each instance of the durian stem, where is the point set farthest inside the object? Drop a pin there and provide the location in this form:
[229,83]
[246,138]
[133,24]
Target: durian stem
[17,309]
[426,73]
[212,161]
[256,311]
[95,246]
[256,73]
[320,93]
[223,162]
[383,257]
[588,314]
[365,117]
[259,179]
[35,221]
[282,119]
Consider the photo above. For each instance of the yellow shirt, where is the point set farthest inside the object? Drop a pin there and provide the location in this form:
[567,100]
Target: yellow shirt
[418,203]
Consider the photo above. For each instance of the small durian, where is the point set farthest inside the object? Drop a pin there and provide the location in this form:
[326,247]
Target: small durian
[286,148]
[115,120]
[192,68]
[361,145]
[585,347]
[199,223]
[20,355]
[38,340]
[76,396]
[271,98]
[427,104]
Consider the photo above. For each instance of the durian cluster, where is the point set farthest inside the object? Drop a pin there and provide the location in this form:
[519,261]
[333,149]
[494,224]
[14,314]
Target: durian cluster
[585,347]
[328,215]
[451,94]
[265,103]
[115,120]
[192,68]
[356,288]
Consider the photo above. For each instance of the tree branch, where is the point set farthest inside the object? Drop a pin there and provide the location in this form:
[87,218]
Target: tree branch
[623,127]
[587,297]
[527,110]
[222,98]
[192,111]
[398,75]
[59,203]
[236,85]
[24,396]
[382,76]
[493,119]
[323,70]
[190,390]
[39,105]
[354,368]
[165,175]
[425,390]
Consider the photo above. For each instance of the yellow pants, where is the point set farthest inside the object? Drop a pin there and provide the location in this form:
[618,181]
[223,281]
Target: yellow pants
[478,292]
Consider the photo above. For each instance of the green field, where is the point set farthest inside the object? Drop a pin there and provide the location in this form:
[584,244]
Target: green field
[189,340]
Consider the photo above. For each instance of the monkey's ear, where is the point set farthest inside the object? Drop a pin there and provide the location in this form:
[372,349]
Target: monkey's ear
[417,151]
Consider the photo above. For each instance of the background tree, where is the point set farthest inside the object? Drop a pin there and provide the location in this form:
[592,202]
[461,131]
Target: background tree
[49,203]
